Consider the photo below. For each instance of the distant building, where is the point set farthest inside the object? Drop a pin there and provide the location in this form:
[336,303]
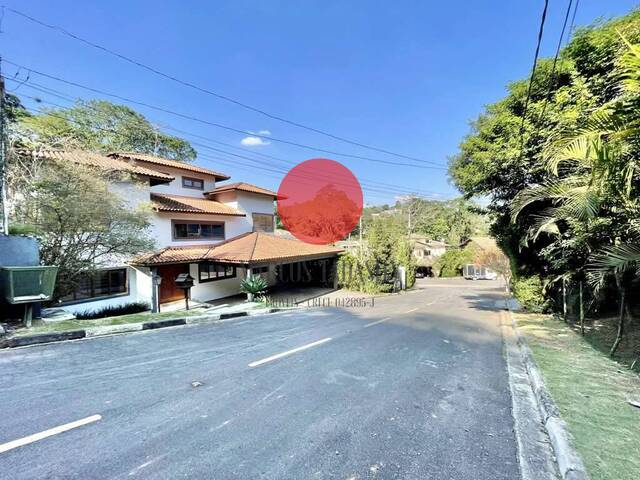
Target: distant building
[426,251]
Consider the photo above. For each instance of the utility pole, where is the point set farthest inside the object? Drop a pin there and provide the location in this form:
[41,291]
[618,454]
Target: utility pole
[3,160]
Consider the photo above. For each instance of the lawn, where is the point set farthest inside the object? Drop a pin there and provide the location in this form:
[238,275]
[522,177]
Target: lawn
[107,321]
[591,391]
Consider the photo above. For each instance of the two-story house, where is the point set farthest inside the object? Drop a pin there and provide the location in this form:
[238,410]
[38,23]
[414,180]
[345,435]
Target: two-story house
[219,233]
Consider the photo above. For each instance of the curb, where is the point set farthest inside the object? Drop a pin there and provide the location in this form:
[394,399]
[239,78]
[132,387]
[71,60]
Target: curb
[568,460]
[92,332]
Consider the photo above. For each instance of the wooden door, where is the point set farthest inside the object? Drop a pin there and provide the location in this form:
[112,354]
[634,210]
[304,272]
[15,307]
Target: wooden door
[168,290]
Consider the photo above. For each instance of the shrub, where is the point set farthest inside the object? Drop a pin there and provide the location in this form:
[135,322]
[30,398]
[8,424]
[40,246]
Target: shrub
[529,292]
[114,311]
[404,257]
[254,285]
[451,262]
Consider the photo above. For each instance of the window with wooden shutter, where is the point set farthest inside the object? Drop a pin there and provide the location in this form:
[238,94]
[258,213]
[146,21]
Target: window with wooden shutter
[263,222]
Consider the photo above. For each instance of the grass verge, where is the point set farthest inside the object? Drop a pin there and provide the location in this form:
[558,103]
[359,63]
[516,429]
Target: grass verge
[591,391]
[107,321]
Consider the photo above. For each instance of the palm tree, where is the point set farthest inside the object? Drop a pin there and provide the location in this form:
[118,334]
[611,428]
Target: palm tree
[593,167]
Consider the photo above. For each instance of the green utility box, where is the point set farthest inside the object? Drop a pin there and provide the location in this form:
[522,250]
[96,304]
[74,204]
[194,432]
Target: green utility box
[21,285]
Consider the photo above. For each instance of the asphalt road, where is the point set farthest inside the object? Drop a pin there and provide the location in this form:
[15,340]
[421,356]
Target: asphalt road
[414,388]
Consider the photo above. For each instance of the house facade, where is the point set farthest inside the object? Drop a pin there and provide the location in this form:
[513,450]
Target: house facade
[426,251]
[219,233]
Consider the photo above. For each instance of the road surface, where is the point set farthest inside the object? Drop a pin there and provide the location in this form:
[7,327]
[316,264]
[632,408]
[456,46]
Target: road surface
[414,387]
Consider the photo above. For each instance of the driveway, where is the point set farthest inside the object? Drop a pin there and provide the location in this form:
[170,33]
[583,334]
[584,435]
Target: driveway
[413,387]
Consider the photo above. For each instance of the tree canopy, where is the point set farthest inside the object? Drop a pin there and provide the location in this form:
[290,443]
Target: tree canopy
[563,180]
[99,126]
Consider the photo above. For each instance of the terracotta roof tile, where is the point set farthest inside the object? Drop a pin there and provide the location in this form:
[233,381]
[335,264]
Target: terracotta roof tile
[146,158]
[97,160]
[243,187]
[180,203]
[249,248]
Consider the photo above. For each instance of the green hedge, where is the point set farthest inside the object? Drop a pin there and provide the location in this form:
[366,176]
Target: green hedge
[530,293]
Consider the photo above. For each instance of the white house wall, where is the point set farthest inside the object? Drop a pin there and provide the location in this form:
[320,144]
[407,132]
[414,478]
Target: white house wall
[136,294]
[250,203]
[203,292]
[176,188]
[163,235]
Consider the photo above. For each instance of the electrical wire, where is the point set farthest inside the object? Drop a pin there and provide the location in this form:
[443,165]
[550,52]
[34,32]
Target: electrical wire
[218,125]
[210,92]
[61,95]
[533,74]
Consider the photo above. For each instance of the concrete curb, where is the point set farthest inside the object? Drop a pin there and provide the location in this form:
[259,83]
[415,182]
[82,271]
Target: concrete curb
[568,460]
[92,332]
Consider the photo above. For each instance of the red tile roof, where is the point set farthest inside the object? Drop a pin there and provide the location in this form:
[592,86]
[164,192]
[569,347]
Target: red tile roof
[151,159]
[248,248]
[243,187]
[97,160]
[183,204]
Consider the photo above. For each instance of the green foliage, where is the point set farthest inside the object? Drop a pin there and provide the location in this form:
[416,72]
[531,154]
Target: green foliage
[354,275]
[404,256]
[452,221]
[20,229]
[374,269]
[529,292]
[79,223]
[254,285]
[98,125]
[451,262]
[114,311]
[570,189]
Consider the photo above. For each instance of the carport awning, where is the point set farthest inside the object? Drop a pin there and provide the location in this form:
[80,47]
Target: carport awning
[249,248]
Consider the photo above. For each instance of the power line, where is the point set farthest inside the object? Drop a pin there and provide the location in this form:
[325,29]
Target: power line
[210,92]
[573,18]
[218,125]
[555,62]
[533,74]
[274,170]
[57,93]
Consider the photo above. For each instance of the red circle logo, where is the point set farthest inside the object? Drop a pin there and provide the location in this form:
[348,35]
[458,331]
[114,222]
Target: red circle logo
[319,201]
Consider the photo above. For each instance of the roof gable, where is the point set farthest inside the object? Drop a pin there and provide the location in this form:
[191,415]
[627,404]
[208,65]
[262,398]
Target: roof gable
[103,162]
[152,160]
[183,204]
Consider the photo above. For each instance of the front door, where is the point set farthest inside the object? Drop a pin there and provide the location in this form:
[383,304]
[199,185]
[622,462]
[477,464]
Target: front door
[168,290]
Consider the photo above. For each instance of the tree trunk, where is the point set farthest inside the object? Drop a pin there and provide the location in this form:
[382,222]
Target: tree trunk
[623,309]
[581,310]
[564,299]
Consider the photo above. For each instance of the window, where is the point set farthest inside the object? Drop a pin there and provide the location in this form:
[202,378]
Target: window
[259,270]
[263,222]
[104,283]
[183,230]
[195,183]
[209,271]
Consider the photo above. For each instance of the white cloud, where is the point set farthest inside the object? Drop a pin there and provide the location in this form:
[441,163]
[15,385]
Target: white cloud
[251,141]
[256,139]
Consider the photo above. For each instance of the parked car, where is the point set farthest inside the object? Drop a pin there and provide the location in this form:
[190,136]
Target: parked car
[478,272]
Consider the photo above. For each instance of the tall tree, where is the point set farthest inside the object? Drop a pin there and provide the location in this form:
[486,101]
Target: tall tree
[101,126]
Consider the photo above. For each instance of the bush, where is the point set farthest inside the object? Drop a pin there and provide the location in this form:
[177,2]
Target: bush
[451,262]
[254,285]
[529,292]
[114,311]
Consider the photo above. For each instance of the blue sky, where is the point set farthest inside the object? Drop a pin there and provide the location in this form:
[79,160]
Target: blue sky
[407,76]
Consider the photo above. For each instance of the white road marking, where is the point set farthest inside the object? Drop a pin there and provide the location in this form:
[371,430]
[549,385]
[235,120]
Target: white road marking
[47,433]
[288,352]
[431,303]
[412,310]
[376,323]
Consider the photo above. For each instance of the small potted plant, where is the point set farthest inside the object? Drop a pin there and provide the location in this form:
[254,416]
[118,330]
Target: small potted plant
[253,286]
